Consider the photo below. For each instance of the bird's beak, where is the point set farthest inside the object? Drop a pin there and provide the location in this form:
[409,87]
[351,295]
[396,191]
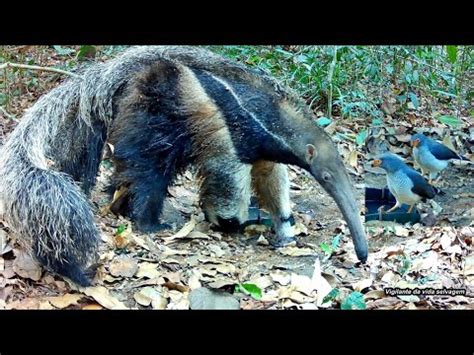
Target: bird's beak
[376,162]
[415,143]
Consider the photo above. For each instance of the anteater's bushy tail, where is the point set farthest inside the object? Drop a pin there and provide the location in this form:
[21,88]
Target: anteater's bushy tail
[56,150]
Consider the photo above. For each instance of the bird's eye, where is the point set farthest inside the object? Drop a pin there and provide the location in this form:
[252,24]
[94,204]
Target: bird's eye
[326,176]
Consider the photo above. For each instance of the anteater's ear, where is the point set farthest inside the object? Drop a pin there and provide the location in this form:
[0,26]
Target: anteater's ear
[310,153]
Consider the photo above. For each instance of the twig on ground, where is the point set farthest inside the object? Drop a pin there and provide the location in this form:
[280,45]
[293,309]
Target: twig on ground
[7,115]
[36,67]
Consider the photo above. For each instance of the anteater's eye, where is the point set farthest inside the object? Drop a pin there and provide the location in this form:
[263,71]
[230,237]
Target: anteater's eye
[326,176]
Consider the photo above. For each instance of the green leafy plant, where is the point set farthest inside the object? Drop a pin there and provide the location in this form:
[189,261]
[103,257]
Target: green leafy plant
[120,229]
[354,301]
[331,296]
[249,289]
[63,51]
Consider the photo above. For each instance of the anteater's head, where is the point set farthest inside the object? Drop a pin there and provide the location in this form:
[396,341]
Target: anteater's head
[326,166]
[317,153]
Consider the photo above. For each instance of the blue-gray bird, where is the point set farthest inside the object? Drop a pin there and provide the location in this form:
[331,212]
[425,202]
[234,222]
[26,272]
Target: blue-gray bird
[406,184]
[431,156]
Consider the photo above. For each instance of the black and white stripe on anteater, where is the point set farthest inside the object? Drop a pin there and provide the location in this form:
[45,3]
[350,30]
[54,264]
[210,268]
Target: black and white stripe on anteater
[162,108]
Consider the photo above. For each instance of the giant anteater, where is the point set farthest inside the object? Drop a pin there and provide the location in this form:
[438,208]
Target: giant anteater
[162,108]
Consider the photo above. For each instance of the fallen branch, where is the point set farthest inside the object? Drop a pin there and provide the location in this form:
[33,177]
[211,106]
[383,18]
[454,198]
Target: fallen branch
[36,67]
[7,115]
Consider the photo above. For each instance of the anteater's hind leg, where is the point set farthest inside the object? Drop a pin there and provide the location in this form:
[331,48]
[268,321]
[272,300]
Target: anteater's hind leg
[272,186]
[226,192]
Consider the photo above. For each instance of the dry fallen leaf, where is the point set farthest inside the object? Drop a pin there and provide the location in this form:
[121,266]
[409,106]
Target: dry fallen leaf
[302,283]
[216,250]
[26,266]
[193,281]
[182,233]
[445,241]
[353,159]
[300,297]
[124,266]
[178,300]
[283,278]
[4,246]
[226,268]
[300,228]
[390,278]
[320,284]
[149,270]
[149,295]
[401,231]
[362,284]
[374,294]
[197,235]
[262,240]
[103,297]
[295,251]
[427,263]
[64,300]
[166,251]
[220,282]
[92,306]
[29,303]
[262,282]
[174,286]
[468,267]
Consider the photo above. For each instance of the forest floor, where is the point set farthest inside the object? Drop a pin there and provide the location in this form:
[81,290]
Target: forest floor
[193,266]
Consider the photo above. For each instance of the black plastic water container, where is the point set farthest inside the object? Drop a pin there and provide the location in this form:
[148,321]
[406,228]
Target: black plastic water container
[257,216]
[375,198]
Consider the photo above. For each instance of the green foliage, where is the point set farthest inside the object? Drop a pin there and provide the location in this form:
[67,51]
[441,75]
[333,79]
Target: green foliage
[331,296]
[329,249]
[452,53]
[354,301]
[405,264]
[361,137]
[326,248]
[323,121]
[250,289]
[121,228]
[63,51]
[364,76]
[86,52]
[335,242]
[3,99]
[449,120]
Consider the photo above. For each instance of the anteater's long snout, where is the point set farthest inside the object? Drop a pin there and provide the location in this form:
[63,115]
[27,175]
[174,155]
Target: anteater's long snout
[343,194]
[350,211]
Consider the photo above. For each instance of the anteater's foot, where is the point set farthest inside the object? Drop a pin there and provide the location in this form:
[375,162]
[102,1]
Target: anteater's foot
[76,274]
[279,242]
[152,227]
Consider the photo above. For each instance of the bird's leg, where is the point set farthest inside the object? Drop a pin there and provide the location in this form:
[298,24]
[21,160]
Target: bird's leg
[394,207]
[411,208]
[431,176]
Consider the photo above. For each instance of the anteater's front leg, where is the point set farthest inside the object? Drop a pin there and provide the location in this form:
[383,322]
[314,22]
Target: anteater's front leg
[226,192]
[145,190]
[272,186]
